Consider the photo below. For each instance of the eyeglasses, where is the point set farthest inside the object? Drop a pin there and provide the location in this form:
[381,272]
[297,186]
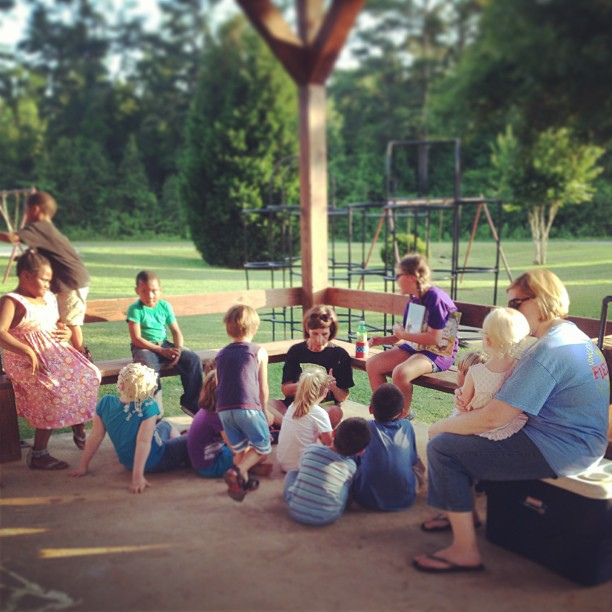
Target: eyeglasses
[399,275]
[516,302]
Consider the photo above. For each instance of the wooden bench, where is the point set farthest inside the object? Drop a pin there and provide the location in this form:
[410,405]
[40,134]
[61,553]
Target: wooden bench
[217,303]
[109,310]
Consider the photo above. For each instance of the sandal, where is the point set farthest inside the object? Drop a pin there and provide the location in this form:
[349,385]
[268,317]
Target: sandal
[45,461]
[444,526]
[235,483]
[237,488]
[446,566]
[79,440]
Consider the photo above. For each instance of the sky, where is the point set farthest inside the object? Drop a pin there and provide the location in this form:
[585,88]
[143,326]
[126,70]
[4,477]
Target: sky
[14,22]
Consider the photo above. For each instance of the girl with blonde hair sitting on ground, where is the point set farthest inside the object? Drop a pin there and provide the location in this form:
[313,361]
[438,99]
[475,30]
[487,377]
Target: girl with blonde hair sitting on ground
[305,422]
[142,444]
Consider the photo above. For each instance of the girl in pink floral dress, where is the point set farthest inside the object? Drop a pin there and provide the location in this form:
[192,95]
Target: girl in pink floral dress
[55,385]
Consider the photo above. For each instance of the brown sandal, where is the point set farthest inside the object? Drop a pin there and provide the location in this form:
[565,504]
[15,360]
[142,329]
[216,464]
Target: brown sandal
[42,460]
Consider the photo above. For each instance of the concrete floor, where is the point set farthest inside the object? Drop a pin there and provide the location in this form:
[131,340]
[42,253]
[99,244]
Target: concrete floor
[87,544]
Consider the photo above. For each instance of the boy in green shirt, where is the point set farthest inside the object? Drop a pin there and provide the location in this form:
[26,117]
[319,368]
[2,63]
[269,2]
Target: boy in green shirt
[148,320]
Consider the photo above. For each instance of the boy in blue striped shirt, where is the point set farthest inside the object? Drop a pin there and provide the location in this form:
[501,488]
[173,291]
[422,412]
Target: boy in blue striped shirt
[317,493]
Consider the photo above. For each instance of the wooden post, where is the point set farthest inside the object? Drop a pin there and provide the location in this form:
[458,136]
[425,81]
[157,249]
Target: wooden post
[313,193]
[309,58]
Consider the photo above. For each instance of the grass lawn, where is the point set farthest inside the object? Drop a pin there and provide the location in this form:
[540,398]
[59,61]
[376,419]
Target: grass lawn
[585,267]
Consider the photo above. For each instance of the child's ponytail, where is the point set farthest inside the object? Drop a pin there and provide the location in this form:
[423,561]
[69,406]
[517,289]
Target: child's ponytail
[311,387]
[208,395]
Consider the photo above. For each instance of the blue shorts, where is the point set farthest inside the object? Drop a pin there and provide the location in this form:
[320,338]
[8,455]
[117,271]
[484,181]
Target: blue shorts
[223,462]
[246,427]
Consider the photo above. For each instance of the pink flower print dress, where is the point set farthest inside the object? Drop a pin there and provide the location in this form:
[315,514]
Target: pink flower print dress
[486,385]
[64,391]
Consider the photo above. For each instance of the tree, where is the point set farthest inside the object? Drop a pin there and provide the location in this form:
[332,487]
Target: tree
[403,48]
[134,206]
[554,171]
[80,176]
[535,65]
[242,121]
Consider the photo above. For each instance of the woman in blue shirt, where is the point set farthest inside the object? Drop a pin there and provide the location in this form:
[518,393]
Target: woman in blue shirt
[563,386]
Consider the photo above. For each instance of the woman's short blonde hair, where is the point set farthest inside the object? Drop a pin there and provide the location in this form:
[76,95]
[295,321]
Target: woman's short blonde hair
[320,317]
[136,382]
[312,385]
[416,265]
[505,329]
[547,290]
[241,320]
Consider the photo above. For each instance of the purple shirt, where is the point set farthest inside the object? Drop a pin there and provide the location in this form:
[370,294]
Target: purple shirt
[238,377]
[204,439]
[438,307]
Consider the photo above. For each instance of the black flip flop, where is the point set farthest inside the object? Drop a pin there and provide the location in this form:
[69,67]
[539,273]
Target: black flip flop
[449,567]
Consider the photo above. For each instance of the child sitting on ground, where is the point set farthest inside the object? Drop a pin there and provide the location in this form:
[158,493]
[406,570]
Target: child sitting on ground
[209,451]
[504,332]
[242,398]
[141,444]
[317,493]
[385,479]
[147,320]
[305,422]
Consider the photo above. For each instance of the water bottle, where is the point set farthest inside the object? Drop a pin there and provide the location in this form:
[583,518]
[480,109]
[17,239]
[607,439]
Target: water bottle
[361,346]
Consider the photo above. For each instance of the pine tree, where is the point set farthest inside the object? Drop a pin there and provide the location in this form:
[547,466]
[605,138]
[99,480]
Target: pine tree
[242,121]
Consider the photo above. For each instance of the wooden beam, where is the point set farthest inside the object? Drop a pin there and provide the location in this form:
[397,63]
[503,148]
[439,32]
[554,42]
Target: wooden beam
[206,303]
[331,37]
[313,193]
[284,43]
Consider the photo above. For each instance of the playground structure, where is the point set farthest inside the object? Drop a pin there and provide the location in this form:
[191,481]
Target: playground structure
[410,203]
[12,203]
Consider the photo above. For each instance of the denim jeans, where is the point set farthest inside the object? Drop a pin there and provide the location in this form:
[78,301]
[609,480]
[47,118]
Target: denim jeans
[456,461]
[189,367]
[175,450]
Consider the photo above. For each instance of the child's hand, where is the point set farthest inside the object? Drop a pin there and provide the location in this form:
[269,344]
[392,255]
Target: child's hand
[177,356]
[331,380]
[33,357]
[61,333]
[399,331]
[459,400]
[78,472]
[376,340]
[139,485]
[171,353]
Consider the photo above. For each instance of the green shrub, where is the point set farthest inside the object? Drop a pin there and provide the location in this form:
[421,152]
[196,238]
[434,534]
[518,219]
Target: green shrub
[405,244]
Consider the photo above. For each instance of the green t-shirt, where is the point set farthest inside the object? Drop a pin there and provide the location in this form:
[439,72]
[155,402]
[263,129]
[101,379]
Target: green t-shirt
[153,321]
